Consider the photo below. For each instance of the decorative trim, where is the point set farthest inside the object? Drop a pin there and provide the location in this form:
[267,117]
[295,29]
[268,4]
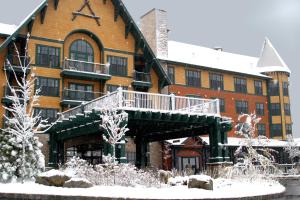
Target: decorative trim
[43,13]
[47,39]
[93,15]
[119,51]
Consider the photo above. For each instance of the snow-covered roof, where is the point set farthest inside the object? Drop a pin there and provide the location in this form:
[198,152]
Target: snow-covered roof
[7,29]
[270,60]
[220,60]
[234,141]
[176,142]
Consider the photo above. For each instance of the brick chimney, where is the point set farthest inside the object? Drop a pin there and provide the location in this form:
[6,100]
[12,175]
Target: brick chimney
[154,26]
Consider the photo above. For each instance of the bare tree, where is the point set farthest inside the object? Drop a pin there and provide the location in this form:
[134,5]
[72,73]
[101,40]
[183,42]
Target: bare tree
[114,122]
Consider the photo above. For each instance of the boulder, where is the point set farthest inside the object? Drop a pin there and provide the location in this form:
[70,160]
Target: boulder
[78,183]
[52,178]
[201,182]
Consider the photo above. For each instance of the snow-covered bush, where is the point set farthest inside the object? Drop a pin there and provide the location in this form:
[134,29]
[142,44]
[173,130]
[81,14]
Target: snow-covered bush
[252,162]
[291,148]
[109,174]
[20,151]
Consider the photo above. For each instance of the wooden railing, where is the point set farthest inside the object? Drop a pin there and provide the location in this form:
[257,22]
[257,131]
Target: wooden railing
[141,101]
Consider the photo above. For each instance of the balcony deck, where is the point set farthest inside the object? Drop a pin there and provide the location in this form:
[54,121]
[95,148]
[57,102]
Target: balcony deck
[141,80]
[13,63]
[149,102]
[85,70]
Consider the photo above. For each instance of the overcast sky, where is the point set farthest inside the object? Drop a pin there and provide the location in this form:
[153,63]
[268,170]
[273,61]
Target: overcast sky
[239,26]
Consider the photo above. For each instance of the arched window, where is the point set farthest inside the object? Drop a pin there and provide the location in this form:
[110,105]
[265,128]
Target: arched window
[81,50]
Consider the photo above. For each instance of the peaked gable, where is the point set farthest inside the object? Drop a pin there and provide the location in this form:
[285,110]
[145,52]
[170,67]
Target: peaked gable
[270,60]
[120,11]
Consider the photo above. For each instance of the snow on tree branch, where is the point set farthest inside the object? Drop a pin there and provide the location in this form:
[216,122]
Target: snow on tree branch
[19,146]
[114,122]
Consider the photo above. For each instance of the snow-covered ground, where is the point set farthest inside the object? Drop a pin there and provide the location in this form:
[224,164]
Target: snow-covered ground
[222,189]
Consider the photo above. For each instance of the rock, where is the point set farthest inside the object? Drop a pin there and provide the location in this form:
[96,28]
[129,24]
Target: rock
[201,182]
[178,180]
[164,176]
[78,183]
[52,178]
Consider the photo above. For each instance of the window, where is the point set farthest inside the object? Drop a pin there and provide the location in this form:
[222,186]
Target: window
[241,107]
[79,92]
[171,74]
[288,128]
[261,129]
[222,105]
[285,87]
[216,81]
[260,109]
[193,78]
[47,113]
[276,130]
[287,109]
[48,86]
[274,88]
[240,85]
[275,109]
[112,88]
[81,50]
[48,56]
[118,65]
[258,87]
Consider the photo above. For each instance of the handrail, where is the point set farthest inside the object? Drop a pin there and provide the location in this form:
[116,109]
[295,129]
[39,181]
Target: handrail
[85,66]
[132,100]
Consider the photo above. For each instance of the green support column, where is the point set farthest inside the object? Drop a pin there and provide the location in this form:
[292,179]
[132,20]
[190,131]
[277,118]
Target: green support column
[61,152]
[141,151]
[53,150]
[216,152]
[225,152]
[121,152]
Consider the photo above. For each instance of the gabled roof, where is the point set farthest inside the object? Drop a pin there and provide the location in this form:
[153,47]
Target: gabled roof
[131,26]
[270,60]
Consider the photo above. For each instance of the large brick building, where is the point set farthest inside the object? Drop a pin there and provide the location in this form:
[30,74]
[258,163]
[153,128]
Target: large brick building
[71,44]
[243,84]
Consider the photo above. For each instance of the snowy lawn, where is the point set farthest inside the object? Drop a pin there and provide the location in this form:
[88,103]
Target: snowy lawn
[222,189]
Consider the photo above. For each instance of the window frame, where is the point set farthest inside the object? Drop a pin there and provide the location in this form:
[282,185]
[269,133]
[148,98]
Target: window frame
[275,109]
[287,109]
[77,52]
[41,109]
[244,106]
[119,59]
[275,128]
[172,77]
[38,59]
[216,83]
[116,86]
[191,81]
[258,89]
[274,88]
[285,89]
[38,83]
[260,129]
[260,109]
[239,87]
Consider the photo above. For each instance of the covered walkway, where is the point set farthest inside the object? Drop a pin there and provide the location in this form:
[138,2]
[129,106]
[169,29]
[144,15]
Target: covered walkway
[151,117]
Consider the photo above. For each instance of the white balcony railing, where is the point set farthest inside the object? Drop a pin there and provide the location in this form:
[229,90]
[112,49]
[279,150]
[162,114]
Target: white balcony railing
[83,66]
[141,101]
